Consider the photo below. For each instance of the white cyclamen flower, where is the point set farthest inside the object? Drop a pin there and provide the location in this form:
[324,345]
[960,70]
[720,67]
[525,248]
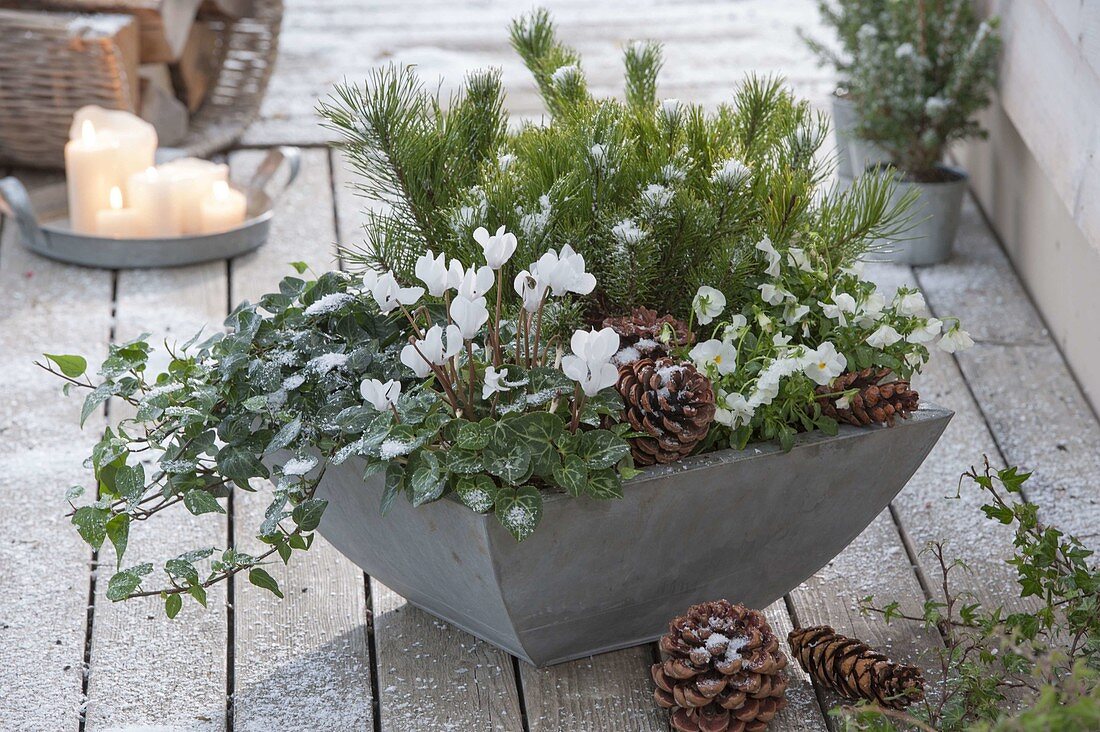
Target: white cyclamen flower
[429,350]
[955,339]
[823,364]
[838,310]
[925,333]
[531,289]
[474,283]
[432,271]
[469,315]
[498,248]
[590,363]
[493,382]
[799,259]
[564,273]
[773,294]
[382,396]
[708,304]
[909,303]
[774,257]
[722,356]
[389,295]
[883,337]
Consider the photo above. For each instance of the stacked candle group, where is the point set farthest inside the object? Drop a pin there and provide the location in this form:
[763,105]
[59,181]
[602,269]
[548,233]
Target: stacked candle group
[115,190]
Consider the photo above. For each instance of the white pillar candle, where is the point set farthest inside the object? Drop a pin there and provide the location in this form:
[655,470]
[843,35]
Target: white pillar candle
[118,222]
[152,195]
[192,181]
[136,138]
[223,209]
[90,173]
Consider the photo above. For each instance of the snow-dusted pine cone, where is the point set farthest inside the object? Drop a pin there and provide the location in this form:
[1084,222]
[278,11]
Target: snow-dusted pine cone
[877,401]
[854,670]
[642,334]
[723,670]
[671,402]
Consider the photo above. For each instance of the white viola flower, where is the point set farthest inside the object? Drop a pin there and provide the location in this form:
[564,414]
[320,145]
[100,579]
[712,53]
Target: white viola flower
[842,305]
[914,360]
[735,329]
[870,310]
[773,294]
[498,248]
[781,342]
[733,410]
[475,283]
[432,271]
[382,396]
[493,383]
[909,303]
[794,313]
[564,273]
[389,295]
[774,258]
[883,337]
[855,269]
[955,339]
[843,402]
[764,322]
[722,356]
[823,364]
[927,332]
[798,259]
[430,351]
[469,315]
[531,290]
[595,345]
[708,304]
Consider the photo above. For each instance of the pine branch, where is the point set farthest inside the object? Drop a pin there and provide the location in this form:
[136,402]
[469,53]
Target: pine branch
[643,62]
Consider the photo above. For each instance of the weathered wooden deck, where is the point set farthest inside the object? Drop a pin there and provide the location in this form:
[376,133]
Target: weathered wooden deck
[343,652]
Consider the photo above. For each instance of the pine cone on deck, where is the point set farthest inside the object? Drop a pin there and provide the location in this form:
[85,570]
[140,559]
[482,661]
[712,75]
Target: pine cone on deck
[722,670]
[671,402]
[853,670]
[642,333]
[876,402]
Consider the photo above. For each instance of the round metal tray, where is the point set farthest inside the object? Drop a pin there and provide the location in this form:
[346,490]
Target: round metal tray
[42,217]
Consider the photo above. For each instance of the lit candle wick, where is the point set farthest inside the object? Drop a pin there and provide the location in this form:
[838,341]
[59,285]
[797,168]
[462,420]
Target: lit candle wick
[116,198]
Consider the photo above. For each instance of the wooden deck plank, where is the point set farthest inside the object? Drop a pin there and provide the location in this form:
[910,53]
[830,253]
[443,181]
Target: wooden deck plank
[304,661]
[710,45]
[44,565]
[1035,410]
[428,672]
[171,305]
[802,713]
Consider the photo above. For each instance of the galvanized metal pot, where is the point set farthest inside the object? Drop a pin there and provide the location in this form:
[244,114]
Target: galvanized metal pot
[844,124]
[748,525]
[934,220]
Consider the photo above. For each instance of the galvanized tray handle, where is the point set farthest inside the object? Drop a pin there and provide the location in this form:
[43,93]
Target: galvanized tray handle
[276,158]
[16,203]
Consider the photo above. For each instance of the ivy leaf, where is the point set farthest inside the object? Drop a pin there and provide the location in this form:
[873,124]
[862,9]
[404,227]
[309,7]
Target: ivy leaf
[427,481]
[172,605]
[307,514]
[239,464]
[199,502]
[299,267]
[130,481]
[477,492]
[199,593]
[95,398]
[605,484]
[72,366]
[572,475]
[118,531]
[259,577]
[91,523]
[395,483]
[519,511]
[602,449]
[286,434]
[124,583]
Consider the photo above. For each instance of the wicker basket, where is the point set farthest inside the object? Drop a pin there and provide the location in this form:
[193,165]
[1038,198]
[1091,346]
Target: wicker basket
[46,74]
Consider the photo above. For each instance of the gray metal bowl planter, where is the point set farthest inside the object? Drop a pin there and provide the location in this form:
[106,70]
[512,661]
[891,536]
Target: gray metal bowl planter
[748,525]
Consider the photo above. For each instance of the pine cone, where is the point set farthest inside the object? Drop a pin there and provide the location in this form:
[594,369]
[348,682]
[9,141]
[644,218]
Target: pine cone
[853,670]
[875,402]
[642,334]
[671,402]
[722,670]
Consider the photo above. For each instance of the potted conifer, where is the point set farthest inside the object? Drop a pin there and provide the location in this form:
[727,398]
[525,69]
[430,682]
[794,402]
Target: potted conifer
[920,73]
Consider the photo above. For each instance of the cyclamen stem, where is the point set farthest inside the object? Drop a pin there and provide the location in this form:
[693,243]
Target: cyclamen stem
[538,325]
[470,360]
[412,321]
[578,404]
[498,354]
